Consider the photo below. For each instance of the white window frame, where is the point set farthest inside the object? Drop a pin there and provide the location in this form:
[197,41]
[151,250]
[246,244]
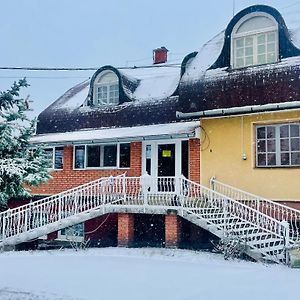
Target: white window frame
[255,34]
[99,168]
[278,151]
[109,101]
[53,157]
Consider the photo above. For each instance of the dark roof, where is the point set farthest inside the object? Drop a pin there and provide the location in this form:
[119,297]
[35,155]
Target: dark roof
[209,83]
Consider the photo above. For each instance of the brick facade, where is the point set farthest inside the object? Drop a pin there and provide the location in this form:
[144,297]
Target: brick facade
[68,178]
[194,160]
[172,230]
[125,229]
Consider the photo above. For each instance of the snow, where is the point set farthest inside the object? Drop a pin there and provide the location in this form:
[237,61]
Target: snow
[116,134]
[205,58]
[121,273]
[77,100]
[155,83]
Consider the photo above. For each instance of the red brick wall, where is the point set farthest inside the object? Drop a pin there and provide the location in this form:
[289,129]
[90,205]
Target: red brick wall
[172,231]
[69,178]
[125,229]
[194,160]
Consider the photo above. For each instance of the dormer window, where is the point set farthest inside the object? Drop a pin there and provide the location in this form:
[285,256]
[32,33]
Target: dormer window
[106,89]
[254,41]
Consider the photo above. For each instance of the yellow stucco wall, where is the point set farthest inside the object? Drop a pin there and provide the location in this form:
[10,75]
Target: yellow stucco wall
[225,140]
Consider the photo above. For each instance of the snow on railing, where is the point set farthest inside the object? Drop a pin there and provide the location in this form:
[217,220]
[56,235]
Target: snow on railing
[267,207]
[60,206]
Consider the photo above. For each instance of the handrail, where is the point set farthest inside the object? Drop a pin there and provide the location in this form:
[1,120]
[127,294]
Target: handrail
[60,206]
[271,208]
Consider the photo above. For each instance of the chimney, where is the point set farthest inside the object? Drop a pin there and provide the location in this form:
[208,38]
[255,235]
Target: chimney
[160,55]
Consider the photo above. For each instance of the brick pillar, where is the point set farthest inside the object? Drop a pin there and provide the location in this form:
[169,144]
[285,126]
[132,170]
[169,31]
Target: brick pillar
[135,159]
[172,230]
[68,157]
[125,229]
[194,160]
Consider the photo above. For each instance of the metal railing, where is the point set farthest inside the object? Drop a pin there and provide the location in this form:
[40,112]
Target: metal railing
[265,206]
[219,208]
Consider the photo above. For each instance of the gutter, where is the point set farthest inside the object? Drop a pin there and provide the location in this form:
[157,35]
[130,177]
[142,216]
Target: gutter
[239,110]
[118,140]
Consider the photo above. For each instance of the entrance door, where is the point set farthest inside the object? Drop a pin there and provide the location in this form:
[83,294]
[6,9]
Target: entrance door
[166,160]
[162,159]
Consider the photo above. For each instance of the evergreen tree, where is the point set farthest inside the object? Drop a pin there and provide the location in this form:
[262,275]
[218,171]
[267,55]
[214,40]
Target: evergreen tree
[21,166]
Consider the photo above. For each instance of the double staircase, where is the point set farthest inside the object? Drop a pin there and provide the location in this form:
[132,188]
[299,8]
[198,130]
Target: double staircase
[267,229]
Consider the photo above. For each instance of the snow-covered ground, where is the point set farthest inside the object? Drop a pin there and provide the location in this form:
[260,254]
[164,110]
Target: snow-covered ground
[119,273]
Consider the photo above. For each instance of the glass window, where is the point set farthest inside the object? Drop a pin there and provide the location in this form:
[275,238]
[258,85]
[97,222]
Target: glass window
[255,42]
[79,157]
[93,156]
[125,155]
[49,157]
[109,156]
[59,158]
[102,156]
[278,145]
[106,89]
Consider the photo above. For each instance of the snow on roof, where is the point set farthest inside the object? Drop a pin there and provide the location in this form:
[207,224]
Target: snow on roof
[292,20]
[206,57]
[155,83]
[170,130]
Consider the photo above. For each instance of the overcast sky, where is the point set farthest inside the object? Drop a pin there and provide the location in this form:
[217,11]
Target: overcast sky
[93,33]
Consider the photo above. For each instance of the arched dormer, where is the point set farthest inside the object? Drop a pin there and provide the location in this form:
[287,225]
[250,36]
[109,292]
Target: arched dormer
[254,40]
[243,22]
[106,89]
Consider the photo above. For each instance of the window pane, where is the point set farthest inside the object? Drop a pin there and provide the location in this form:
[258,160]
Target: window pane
[284,131]
[261,49]
[271,47]
[285,159]
[249,61]
[285,145]
[249,51]
[93,156]
[294,130]
[271,132]
[261,146]
[295,144]
[49,157]
[271,37]
[125,155]
[271,159]
[110,156]
[271,146]
[79,157]
[261,132]
[240,52]
[261,159]
[239,43]
[239,62]
[249,41]
[58,158]
[271,58]
[261,59]
[261,39]
[295,160]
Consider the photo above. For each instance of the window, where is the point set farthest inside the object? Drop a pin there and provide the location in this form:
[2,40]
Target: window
[55,157]
[106,89]
[254,41]
[278,145]
[102,156]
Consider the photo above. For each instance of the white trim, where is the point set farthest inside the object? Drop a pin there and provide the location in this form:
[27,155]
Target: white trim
[253,33]
[85,167]
[53,148]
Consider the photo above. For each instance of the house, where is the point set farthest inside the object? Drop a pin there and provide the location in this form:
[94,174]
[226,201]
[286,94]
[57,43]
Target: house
[227,119]
[247,98]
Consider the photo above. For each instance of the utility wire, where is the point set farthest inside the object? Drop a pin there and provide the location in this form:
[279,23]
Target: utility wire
[88,69]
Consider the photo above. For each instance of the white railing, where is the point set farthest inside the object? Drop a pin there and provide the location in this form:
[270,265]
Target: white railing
[267,207]
[217,208]
[60,206]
